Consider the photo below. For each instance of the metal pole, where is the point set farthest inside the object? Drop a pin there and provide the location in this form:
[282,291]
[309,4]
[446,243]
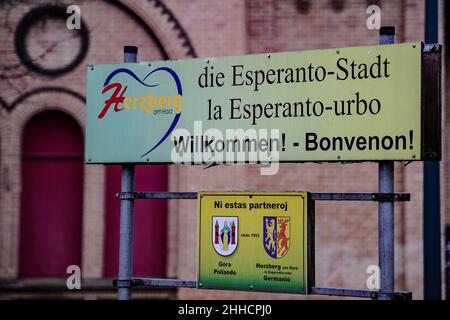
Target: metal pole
[126,214]
[386,209]
[431,190]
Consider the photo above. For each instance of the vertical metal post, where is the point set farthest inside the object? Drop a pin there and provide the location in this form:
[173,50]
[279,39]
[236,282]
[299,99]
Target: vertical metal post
[386,209]
[126,215]
[431,191]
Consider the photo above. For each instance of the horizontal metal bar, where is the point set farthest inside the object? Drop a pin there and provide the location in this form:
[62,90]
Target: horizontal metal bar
[164,283]
[343,292]
[320,196]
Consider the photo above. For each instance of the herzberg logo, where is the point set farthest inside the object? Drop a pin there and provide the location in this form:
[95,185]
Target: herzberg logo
[224,235]
[150,104]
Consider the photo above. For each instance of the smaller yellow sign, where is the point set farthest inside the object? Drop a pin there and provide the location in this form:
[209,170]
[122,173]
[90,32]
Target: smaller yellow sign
[254,241]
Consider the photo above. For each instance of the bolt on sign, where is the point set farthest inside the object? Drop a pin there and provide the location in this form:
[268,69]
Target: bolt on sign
[349,104]
[255,241]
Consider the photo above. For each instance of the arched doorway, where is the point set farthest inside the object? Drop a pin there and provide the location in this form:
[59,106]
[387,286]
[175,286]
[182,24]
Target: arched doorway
[52,195]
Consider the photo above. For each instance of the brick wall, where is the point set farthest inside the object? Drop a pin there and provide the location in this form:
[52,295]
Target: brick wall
[346,234]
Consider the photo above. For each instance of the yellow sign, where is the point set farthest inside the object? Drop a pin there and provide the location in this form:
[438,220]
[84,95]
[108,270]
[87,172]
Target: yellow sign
[254,241]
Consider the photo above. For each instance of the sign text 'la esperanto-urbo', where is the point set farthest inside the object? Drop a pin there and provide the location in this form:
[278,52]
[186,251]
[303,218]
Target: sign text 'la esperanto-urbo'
[359,103]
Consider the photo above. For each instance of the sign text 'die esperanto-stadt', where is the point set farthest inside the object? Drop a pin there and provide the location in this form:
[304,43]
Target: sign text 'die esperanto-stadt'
[359,103]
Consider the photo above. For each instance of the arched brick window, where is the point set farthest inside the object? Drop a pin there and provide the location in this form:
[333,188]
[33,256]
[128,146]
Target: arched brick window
[51,198]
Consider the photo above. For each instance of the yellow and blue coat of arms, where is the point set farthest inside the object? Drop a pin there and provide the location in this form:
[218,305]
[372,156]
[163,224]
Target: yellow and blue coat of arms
[276,236]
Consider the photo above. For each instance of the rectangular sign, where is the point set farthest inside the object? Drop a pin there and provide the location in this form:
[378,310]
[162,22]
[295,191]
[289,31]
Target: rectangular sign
[254,241]
[350,104]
